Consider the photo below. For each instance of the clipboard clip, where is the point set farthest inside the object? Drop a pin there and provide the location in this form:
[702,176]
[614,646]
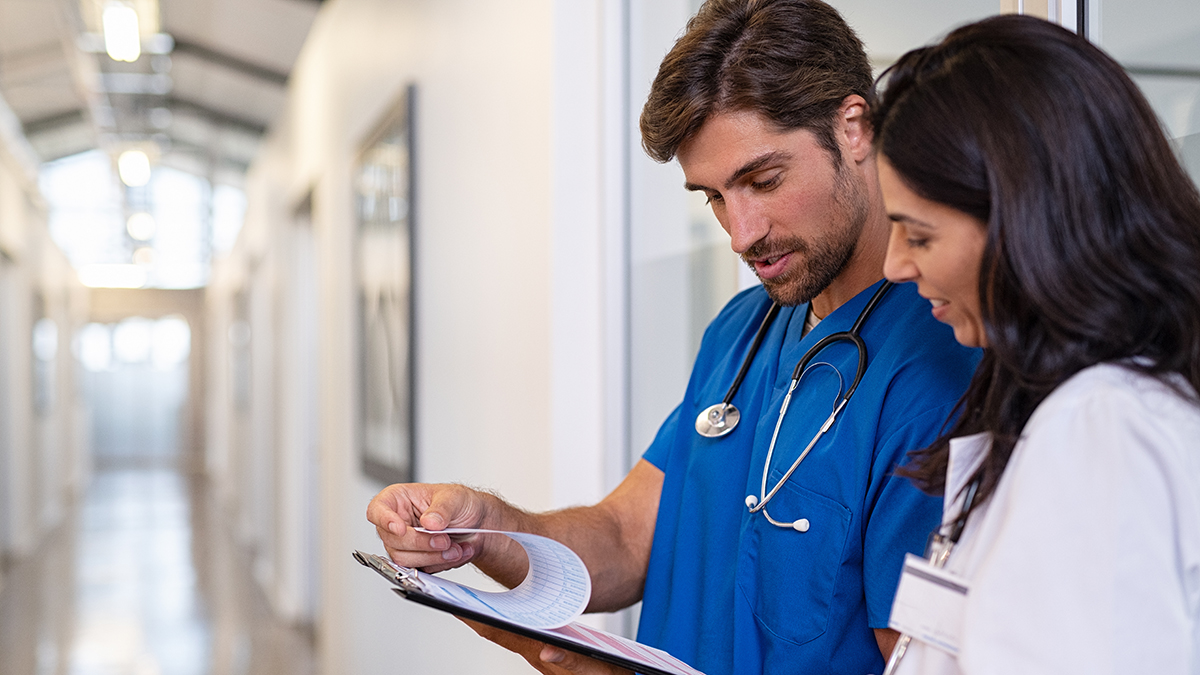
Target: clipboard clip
[404,577]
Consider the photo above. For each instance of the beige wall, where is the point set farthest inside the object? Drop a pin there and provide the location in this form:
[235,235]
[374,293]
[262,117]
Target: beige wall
[490,132]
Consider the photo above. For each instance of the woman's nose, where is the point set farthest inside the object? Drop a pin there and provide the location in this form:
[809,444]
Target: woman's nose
[898,266]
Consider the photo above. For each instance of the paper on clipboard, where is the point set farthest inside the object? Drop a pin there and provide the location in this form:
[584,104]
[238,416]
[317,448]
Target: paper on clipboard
[554,593]
[544,606]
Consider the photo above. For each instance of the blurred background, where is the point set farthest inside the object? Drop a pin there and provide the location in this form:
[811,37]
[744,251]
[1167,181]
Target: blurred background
[259,258]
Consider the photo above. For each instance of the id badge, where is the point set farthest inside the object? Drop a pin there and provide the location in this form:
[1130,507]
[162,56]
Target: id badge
[929,604]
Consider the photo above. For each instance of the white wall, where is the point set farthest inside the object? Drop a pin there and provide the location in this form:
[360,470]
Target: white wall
[44,457]
[520,148]
[482,290]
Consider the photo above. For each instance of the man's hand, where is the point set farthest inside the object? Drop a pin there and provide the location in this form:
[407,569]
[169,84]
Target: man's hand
[886,637]
[543,657]
[613,537]
[570,662]
[399,508]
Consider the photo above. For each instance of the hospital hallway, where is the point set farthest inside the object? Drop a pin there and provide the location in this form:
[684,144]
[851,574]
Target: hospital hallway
[143,578]
[144,575]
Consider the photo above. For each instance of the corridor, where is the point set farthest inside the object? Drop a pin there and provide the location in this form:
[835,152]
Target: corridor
[143,577]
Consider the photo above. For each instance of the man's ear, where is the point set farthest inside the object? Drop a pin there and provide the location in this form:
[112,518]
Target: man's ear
[854,127]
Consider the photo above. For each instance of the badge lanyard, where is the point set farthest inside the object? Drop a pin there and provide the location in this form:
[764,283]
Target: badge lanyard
[939,549]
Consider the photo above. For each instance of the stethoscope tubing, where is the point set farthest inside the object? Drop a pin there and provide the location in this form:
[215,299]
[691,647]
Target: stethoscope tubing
[721,418]
[768,319]
[853,336]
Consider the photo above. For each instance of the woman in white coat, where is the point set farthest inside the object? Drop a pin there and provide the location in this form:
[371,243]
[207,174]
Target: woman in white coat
[1036,203]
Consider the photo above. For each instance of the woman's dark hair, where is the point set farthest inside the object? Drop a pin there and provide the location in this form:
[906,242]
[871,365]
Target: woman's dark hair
[792,61]
[1093,228]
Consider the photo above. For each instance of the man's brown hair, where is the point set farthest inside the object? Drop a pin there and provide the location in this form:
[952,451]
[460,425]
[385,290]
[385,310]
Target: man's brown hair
[792,61]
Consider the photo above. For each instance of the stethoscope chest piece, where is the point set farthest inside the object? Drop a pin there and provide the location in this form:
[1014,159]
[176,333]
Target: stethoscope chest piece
[717,420]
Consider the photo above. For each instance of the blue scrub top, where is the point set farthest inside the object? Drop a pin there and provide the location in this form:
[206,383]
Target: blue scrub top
[727,591]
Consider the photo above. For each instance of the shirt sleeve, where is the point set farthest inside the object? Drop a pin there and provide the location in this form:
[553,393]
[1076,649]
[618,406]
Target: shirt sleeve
[900,517]
[1081,567]
[660,449]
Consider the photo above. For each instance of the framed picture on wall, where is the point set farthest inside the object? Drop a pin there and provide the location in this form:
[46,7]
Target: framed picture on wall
[383,190]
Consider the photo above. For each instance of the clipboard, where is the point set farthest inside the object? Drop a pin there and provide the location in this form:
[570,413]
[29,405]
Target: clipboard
[574,637]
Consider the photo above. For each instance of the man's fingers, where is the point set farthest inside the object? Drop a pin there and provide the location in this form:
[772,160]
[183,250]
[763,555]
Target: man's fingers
[390,509]
[453,556]
[545,658]
[398,509]
[434,507]
[452,506]
[408,539]
[578,663]
[510,641]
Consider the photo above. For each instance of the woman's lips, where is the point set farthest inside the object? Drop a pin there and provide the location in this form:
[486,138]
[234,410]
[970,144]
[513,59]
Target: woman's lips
[939,308]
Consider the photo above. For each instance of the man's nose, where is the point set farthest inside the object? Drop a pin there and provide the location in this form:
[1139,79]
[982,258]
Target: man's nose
[746,225]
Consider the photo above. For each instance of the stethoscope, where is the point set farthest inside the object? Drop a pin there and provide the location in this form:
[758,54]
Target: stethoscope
[721,418]
[938,552]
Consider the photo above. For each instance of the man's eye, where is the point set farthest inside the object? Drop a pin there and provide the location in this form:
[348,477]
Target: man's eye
[766,184]
[714,197]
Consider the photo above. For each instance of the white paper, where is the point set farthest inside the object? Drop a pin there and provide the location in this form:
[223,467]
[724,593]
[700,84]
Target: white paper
[554,593]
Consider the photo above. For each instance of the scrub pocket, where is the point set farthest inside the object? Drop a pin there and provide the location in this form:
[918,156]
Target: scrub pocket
[795,572]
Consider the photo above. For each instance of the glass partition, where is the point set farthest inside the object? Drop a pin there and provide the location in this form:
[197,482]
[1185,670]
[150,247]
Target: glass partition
[681,268]
[1159,44]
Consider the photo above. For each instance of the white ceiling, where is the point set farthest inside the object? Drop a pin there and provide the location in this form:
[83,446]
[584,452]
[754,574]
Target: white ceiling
[221,85]
[225,79]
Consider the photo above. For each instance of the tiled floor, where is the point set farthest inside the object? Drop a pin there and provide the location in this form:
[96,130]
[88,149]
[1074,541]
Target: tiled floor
[143,579]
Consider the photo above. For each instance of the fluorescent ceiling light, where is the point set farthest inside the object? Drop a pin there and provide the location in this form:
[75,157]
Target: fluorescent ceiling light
[141,226]
[143,256]
[112,276]
[134,167]
[122,37]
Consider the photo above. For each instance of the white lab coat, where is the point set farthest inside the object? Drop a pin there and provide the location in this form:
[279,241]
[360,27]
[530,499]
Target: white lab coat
[1086,558]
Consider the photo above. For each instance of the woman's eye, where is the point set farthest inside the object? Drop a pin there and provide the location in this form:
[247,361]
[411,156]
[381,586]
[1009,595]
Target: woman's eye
[917,243]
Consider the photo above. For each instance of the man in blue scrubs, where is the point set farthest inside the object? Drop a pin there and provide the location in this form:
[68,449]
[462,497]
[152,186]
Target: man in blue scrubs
[765,105]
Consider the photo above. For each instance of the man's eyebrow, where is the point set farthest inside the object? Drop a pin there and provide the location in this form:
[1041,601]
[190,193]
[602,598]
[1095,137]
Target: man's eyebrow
[749,167]
[757,164]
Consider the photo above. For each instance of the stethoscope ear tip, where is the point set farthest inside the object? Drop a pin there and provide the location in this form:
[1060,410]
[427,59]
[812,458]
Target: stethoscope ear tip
[751,501]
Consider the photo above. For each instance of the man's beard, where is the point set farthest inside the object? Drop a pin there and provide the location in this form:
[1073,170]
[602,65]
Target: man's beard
[824,258]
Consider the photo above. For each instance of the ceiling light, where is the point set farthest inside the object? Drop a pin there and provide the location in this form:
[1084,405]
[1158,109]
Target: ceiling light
[143,256]
[122,37]
[134,167]
[112,276]
[141,226]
